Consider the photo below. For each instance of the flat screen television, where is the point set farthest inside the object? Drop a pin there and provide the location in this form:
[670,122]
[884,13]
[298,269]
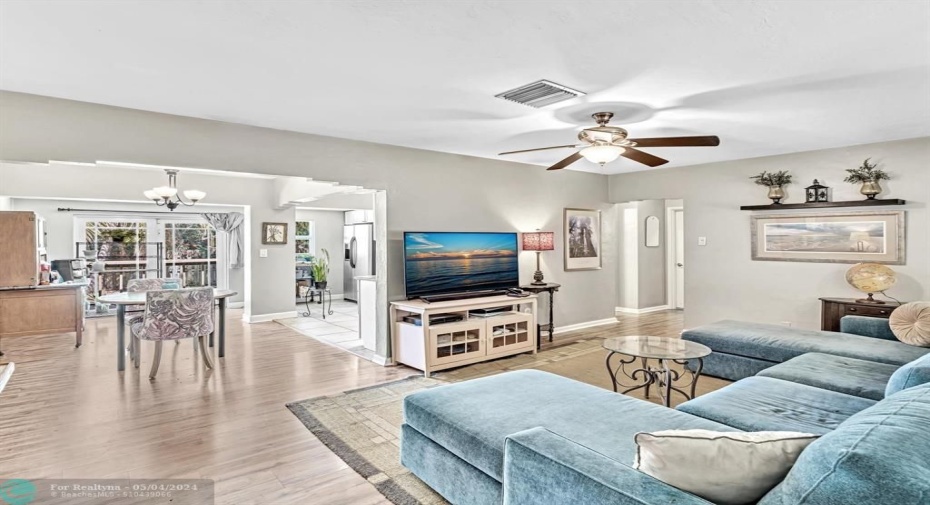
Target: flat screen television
[438,263]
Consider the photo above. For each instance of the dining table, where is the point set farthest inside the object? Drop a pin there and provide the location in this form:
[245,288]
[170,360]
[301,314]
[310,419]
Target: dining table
[126,299]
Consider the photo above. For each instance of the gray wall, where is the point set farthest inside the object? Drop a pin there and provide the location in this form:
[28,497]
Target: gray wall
[721,281]
[425,190]
[328,227]
[641,279]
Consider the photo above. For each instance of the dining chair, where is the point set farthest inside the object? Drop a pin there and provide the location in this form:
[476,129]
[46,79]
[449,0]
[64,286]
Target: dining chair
[142,285]
[173,314]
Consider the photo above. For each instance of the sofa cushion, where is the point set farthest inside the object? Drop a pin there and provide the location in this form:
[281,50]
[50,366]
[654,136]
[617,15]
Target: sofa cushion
[471,419]
[777,344]
[876,456]
[850,376]
[766,404]
[915,373]
[875,327]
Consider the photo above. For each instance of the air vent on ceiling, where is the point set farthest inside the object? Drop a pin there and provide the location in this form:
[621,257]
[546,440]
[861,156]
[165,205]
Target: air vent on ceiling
[540,94]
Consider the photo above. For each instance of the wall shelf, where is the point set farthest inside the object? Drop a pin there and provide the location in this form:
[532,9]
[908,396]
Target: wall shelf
[821,205]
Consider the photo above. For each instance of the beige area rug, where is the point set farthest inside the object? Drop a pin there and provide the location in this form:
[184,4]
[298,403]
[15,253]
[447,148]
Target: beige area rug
[363,426]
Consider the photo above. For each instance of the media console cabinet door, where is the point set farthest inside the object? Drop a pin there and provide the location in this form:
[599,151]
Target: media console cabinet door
[37,311]
[456,342]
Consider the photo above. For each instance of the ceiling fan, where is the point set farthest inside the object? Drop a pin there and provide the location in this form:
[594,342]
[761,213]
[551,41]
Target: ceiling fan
[603,144]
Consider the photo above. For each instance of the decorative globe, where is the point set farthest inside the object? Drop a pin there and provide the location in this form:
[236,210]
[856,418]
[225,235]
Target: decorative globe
[870,277]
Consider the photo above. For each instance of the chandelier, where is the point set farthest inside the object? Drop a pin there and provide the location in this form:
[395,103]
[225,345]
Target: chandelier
[168,195]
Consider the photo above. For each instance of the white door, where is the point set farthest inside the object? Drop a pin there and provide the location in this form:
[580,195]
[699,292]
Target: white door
[679,259]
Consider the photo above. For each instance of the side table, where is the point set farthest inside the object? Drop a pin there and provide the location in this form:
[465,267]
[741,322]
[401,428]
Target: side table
[308,297]
[550,288]
[833,309]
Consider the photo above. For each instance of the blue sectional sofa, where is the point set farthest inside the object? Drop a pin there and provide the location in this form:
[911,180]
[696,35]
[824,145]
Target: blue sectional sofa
[530,437]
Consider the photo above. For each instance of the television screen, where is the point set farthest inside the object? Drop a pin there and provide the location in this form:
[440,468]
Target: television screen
[453,262]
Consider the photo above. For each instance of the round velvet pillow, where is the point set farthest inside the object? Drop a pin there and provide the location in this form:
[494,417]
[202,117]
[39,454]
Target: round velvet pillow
[911,323]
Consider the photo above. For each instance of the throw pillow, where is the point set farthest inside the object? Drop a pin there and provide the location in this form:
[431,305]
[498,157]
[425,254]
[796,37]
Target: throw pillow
[911,323]
[729,468]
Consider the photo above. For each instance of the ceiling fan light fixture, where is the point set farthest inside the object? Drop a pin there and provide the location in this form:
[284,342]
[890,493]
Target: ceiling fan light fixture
[602,154]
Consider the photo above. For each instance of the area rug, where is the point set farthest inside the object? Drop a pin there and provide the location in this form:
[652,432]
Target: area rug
[363,426]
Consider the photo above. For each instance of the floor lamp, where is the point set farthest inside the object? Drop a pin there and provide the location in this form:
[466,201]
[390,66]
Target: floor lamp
[538,242]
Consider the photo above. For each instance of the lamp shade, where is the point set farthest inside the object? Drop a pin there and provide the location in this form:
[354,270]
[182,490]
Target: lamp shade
[602,154]
[539,241]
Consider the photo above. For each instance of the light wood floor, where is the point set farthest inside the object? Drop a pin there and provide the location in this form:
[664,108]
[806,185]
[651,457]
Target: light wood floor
[67,413]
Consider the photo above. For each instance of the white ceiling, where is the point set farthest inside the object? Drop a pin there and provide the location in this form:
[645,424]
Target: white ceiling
[768,77]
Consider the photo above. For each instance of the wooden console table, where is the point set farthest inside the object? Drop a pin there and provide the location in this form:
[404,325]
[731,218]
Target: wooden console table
[42,310]
[550,288]
[431,345]
[833,309]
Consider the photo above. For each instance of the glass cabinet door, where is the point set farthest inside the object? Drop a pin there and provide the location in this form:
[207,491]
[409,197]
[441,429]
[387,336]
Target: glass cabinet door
[455,342]
[508,333]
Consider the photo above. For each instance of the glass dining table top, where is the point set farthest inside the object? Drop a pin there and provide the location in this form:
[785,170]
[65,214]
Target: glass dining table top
[656,347]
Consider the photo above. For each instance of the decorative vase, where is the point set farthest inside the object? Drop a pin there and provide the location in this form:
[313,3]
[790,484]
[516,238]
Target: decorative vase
[776,193]
[870,189]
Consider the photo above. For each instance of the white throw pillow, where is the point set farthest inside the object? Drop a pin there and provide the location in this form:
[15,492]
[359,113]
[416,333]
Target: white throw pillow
[729,468]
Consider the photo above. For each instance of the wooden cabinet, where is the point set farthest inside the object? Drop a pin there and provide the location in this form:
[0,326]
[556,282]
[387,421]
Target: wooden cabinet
[432,346]
[833,309]
[45,310]
[22,247]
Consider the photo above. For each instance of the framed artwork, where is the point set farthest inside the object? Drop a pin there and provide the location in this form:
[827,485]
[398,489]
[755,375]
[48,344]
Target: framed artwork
[581,231]
[861,237]
[274,233]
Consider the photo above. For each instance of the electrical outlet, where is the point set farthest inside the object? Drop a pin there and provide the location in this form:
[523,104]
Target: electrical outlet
[702,240]
[263,253]
[786,323]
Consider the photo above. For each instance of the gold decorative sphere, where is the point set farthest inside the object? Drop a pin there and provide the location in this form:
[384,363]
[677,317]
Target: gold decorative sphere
[870,277]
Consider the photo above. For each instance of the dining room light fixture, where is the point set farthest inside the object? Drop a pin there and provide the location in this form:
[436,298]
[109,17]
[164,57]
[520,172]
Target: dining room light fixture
[168,196]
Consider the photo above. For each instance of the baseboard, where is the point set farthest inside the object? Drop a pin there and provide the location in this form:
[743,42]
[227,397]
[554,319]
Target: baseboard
[235,305]
[581,326]
[264,318]
[644,310]
[381,360]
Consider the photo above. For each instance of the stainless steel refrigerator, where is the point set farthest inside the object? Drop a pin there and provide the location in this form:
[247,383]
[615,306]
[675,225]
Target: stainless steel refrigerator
[359,256]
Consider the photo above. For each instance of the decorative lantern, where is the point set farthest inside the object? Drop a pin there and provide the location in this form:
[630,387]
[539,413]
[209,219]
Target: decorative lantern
[817,192]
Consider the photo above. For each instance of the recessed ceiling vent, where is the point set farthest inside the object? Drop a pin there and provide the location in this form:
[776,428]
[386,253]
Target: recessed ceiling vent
[540,94]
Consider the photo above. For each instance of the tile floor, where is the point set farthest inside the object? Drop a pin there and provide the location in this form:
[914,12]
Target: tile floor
[339,329]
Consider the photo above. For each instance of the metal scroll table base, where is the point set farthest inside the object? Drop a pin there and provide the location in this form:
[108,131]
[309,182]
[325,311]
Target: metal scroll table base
[323,292]
[646,375]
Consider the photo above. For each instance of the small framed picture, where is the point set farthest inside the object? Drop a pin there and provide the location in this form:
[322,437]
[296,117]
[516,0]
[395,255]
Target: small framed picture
[274,233]
[582,236]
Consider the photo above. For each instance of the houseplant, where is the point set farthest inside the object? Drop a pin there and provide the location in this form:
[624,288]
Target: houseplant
[868,175]
[320,269]
[774,181]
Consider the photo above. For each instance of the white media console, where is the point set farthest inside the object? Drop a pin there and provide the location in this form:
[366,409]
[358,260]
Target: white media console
[434,346]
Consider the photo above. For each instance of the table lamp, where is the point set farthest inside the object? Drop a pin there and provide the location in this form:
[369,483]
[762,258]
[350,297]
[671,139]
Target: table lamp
[538,241]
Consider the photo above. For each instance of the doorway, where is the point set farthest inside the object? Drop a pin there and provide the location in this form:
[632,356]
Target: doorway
[675,217]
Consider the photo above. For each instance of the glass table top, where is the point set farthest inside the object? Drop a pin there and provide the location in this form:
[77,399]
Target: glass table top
[656,347]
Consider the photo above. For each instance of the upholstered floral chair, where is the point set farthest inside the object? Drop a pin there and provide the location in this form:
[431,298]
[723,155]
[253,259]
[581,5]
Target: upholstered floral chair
[173,314]
[140,286]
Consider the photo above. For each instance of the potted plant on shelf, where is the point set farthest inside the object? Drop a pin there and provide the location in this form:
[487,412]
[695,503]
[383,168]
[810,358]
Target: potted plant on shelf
[320,269]
[868,175]
[774,181]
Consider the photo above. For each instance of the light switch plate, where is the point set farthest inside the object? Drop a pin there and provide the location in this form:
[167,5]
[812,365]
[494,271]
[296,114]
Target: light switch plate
[702,240]
[263,253]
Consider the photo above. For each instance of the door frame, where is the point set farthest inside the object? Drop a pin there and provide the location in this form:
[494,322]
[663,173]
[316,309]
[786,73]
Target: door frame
[671,242]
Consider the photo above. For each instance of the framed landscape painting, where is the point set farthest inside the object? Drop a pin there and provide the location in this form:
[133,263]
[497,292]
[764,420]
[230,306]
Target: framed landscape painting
[862,237]
[582,235]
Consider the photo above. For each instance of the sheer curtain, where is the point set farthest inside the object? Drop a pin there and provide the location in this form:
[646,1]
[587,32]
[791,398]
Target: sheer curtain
[231,223]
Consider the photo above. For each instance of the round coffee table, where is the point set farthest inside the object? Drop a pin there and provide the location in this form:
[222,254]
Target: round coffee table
[665,350]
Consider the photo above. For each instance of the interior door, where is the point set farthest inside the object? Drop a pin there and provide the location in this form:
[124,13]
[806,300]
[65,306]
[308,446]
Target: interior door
[679,259]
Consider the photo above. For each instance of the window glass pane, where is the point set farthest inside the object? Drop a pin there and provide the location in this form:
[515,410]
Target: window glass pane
[303,228]
[303,246]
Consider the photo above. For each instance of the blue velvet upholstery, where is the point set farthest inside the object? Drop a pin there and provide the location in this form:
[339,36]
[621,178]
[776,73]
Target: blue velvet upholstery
[765,404]
[471,419]
[850,376]
[880,455]
[776,344]
[915,373]
[541,467]
[874,327]
[728,366]
[456,480]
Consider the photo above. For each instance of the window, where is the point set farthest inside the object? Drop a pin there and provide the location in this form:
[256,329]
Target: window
[123,248]
[190,253]
[304,241]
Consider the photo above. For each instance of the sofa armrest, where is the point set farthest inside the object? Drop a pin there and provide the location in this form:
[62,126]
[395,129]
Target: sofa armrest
[865,326]
[543,467]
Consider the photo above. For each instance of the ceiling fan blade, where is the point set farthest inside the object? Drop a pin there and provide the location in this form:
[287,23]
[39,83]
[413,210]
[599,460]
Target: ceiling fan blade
[640,156]
[706,140]
[538,149]
[566,162]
